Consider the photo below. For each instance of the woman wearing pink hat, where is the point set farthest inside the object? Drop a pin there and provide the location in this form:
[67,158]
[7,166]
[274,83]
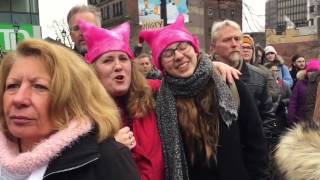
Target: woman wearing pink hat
[111,57]
[205,133]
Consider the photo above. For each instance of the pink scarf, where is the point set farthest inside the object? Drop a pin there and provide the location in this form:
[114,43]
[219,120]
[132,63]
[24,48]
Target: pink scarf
[25,163]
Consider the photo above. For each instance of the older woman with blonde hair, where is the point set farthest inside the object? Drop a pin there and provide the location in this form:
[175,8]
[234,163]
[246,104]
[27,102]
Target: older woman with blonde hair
[57,121]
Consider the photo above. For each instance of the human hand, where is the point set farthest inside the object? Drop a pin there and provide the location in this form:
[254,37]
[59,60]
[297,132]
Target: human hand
[227,72]
[125,136]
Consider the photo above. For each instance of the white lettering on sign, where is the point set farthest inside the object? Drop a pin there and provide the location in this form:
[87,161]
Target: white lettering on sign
[10,37]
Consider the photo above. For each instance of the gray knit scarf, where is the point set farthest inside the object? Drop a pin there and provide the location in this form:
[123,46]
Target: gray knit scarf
[175,160]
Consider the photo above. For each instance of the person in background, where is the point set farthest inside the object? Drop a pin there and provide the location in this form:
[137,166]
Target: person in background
[226,40]
[56,120]
[146,67]
[297,105]
[272,57]
[298,63]
[260,55]
[281,105]
[248,49]
[312,88]
[88,13]
[253,55]
[205,135]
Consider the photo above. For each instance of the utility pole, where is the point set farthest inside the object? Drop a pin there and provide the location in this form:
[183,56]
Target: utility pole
[163,11]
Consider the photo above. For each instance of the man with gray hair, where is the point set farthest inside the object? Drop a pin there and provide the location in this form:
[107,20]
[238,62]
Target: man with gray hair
[226,47]
[88,13]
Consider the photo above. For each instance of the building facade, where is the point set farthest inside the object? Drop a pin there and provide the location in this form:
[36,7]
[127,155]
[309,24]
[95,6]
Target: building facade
[18,20]
[271,12]
[202,14]
[281,14]
[115,12]
[314,13]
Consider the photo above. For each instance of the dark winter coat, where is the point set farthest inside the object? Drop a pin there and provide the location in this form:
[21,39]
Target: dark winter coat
[256,82]
[88,160]
[242,152]
[313,82]
[297,103]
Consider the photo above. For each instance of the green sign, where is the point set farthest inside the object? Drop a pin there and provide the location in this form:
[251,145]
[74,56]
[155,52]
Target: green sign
[8,40]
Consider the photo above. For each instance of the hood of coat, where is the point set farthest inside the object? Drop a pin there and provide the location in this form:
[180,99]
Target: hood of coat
[298,154]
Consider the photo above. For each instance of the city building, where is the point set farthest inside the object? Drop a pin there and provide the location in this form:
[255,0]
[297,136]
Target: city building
[314,13]
[115,12]
[202,14]
[281,14]
[271,11]
[18,20]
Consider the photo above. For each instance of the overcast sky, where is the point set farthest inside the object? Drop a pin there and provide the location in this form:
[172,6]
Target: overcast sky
[56,10]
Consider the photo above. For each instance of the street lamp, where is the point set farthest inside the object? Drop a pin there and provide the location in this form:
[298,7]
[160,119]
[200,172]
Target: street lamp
[64,35]
[16,28]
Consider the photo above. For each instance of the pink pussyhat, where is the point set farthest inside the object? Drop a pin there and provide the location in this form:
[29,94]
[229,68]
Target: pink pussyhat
[160,39]
[313,65]
[100,41]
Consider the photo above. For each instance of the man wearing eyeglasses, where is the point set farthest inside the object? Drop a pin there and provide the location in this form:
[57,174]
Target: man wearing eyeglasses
[226,46]
[88,13]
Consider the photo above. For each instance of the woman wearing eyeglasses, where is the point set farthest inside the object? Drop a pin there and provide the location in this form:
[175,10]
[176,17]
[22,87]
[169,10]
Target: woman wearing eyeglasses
[110,55]
[204,133]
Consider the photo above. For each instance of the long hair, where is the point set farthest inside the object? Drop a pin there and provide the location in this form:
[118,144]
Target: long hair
[75,90]
[199,120]
[141,98]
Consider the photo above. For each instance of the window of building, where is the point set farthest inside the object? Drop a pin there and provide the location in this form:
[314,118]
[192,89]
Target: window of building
[311,22]
[121,8]
[311,9]
[5,17]
[4,5]
[114,10]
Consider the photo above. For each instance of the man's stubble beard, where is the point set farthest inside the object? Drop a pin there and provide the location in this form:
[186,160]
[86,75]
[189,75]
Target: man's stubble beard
[82,49]
[234,58]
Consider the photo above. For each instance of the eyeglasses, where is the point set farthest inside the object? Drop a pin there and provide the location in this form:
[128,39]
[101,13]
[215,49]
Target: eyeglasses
[181,47]
[74,28]
[247,47]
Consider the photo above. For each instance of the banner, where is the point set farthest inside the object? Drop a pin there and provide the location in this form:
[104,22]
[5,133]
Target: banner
[176,7]
[149,10]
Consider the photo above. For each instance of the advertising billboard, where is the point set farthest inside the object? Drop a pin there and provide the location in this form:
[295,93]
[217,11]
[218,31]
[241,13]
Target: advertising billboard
[8,35]
[149,10]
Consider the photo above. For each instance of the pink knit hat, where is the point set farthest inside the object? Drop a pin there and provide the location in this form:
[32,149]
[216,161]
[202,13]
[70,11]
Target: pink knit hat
[160,39]
[313,65]
[100,41]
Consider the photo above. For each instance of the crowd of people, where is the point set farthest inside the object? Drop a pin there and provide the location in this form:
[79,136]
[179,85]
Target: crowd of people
[104,111]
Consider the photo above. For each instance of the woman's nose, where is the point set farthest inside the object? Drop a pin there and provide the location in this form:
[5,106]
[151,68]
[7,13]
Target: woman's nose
[22,96]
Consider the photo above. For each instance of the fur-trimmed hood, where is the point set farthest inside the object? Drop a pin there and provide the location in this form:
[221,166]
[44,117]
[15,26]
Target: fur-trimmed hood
[297,156]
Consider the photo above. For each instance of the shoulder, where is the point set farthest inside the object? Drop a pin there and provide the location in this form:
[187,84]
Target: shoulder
[293,156]
[257,71]
[110,148]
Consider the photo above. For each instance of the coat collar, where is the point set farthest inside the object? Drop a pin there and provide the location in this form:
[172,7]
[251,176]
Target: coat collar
[83,151]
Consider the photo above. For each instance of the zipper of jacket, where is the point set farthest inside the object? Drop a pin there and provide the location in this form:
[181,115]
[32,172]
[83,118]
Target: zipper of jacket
[72,168]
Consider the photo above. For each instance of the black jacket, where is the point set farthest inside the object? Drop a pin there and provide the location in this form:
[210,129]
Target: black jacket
[87,160]
[242,151]
[256,82]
